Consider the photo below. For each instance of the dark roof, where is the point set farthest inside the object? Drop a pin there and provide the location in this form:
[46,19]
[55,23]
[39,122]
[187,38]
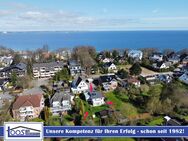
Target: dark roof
[173,122]
[73,63]
[27,100]
[77,81]
[108,64]
[95,94]
[159,64]
[3,80]
[20,66]
[107,78]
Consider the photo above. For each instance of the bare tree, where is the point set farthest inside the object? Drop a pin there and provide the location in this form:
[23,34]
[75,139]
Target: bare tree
[148,51]
[86,55]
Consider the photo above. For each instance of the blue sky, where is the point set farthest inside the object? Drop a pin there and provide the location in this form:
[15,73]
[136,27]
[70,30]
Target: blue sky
[60,15]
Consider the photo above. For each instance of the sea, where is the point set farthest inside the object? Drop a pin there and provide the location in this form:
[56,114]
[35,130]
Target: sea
[101,40]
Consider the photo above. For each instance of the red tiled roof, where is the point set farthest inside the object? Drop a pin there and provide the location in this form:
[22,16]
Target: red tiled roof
[27,100]
[133,80]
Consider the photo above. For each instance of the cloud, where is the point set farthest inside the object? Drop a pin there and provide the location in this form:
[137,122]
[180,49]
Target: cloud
[166,18]
[6,12]
[19,16]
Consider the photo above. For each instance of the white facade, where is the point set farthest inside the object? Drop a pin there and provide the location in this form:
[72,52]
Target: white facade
[81,87]
[135,54]
[106,60]
[26,111]
[98,101]
[157,57]
[112,67]
[45,71]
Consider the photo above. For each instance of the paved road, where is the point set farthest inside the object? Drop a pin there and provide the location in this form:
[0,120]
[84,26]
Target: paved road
[5,96]
[39,82]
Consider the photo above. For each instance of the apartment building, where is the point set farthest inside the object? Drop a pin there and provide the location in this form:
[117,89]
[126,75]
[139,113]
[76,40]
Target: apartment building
[28,106]
[45,70]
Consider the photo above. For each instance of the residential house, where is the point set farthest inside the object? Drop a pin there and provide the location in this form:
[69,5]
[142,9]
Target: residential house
[6,60]
[107,60]
[151,79]
[94,98]
[60,102]
[28,107]
[63,54]
[4,84]
[79,85]
[156,57]
[108,82]
[19,69]
[134,81]
[162,65]
[172,122]
[185,60]
[74,67]
[166,78]
[135,54]
[184,68]
[45,70]
[184,78]
[174,58]
[111,67]
[25,54]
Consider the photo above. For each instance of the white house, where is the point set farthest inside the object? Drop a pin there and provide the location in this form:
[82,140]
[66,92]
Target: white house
[106,60]
[6,60]
[79,85]
[184,78]
[135,54]
[94,98]
[156,57]
[111,67]
[162,65]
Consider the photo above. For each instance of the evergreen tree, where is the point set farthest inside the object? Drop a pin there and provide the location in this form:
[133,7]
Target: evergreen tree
[135,69]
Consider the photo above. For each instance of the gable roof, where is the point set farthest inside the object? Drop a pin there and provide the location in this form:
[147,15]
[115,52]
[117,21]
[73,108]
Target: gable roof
[77,81]
[20,66]
[60,96]
[27,100]
[108,64]
[159,64]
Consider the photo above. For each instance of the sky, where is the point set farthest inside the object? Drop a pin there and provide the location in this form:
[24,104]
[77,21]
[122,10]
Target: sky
[91,15]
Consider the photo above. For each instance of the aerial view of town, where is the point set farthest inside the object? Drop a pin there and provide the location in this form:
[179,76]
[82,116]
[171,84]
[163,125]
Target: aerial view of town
[88,85]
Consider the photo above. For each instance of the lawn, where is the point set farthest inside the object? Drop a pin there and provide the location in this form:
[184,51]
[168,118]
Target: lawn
[127,109]
[145,71]
[156,121]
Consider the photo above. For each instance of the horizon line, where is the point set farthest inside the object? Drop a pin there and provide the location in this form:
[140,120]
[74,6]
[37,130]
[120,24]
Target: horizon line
[6,31]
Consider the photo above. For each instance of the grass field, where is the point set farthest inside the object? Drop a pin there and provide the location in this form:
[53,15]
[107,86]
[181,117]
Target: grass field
[156,121]
[145,71]
[127,109]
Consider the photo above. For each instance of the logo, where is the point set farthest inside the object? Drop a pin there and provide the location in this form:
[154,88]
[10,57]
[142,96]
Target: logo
[23,130]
